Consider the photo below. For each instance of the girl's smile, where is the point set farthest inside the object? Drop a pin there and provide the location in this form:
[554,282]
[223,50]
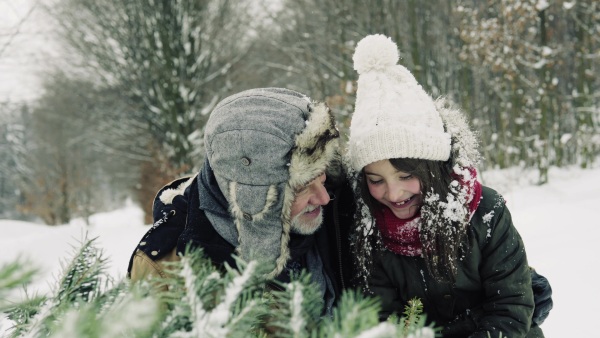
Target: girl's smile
[403,204]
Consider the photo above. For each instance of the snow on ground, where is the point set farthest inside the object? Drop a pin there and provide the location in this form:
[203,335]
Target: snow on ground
[558,222]
[559,225]
[49,247]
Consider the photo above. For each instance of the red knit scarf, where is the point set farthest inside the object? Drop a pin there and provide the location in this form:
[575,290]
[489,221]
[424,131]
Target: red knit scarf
[401,236]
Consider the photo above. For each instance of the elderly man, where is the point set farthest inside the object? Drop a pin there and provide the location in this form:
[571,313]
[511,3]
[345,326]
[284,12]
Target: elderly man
[262,193]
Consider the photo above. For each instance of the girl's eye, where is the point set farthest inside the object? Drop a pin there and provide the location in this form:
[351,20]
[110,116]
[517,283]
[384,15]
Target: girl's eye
[374,182]
[407,177]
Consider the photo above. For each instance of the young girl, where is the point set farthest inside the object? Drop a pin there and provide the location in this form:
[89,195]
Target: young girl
[440,235]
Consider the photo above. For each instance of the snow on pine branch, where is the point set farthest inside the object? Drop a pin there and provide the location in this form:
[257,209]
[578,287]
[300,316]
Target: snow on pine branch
[198,300]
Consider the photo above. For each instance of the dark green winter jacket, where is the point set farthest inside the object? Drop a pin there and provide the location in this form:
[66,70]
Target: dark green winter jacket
[492,292]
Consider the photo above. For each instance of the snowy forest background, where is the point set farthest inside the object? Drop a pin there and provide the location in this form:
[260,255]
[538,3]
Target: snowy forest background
[102,102]
[126,87]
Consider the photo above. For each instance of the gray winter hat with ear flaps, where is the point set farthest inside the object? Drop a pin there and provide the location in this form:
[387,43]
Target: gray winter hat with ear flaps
[263,144]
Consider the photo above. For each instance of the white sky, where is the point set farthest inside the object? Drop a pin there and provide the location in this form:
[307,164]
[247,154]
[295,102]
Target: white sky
[34,49]
[30,48]
[558,223]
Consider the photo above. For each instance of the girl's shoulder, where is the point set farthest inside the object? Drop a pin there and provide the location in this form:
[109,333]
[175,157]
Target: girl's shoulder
[490,200]
[491,215]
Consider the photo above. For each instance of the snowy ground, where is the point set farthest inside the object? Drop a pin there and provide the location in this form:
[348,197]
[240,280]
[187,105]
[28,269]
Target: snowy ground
[556,222]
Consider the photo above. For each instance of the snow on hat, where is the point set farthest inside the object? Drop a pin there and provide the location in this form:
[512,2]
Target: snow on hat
[393,116]
[263,144]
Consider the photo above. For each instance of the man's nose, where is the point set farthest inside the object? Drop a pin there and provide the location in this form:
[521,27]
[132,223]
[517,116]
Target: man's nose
[320,195]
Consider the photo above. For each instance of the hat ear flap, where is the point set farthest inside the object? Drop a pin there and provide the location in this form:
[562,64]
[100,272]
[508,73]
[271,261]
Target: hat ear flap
[258,227]
[243,209]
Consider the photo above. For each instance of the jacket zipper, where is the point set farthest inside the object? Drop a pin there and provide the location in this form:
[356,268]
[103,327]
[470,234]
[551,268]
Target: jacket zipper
[336,223]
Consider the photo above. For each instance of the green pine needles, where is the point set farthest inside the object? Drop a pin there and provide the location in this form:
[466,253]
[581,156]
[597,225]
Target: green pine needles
[196,300]
[412,313]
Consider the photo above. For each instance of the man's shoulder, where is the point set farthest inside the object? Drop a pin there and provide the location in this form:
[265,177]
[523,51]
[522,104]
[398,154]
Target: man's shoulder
[143,266]
[172,194]
[170,214]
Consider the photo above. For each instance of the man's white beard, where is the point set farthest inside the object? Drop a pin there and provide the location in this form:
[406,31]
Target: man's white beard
[306,227]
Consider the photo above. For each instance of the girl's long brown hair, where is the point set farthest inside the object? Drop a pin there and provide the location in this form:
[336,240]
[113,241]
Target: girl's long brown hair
[442,238]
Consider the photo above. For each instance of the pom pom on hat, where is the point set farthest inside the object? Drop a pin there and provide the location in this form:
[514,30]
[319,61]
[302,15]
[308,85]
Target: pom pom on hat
[375,52]
[393,116]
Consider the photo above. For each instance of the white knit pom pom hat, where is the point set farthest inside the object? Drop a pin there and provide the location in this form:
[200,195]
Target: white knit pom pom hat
[393,116]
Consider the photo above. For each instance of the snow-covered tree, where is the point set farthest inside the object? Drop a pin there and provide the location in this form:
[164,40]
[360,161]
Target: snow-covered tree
[170,59]
[521,69]
[58,169]
[534,102]
[317,41]
[10,131]
[583,89]
[199,301]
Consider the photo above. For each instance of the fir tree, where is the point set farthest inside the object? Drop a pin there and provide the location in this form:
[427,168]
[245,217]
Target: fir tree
[196,300]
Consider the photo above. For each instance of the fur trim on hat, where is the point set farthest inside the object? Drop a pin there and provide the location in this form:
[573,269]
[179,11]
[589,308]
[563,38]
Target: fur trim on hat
[314,150]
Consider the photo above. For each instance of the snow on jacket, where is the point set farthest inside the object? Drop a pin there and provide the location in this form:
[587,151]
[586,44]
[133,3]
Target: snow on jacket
[492,292]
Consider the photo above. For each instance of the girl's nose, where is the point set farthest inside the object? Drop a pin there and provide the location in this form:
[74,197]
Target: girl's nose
[394,192]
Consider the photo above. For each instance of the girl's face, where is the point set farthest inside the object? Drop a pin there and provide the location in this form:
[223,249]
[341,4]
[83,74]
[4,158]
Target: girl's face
[397,190]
